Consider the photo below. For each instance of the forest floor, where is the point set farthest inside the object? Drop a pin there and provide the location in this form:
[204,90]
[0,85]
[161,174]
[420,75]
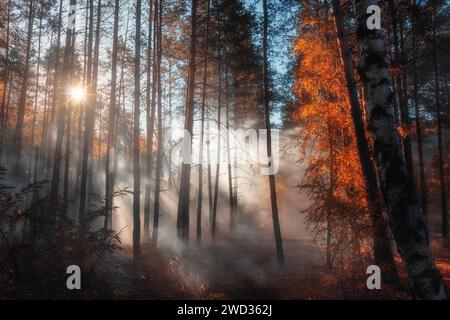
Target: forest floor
[237,269]
[232,268]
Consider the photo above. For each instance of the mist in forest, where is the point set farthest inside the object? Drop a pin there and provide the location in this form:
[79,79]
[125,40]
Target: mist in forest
[224,149]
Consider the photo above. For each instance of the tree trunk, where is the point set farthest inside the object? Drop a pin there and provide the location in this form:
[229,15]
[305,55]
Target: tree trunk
[273,190]
[219,89]
[89,118]
[202,129]
[423,184]
[36,94]
[330,198]
[185,177]
[444,202]
[227,125]
[136,136]
[5,78]
[110,151]
[56,85]
[23,95]
[150,116]
[407,222]
[158,169]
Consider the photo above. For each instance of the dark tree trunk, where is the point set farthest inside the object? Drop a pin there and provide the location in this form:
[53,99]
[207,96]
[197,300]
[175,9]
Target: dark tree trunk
[202,129]
[110,150]
[272,185]
[23,94]
[444,202]
[227,125]
[136,136]
[36,94]
[185,177]
[219,101]
[158,169]
[423,184]
[5,80]
[89,118]
[150,116]
[56,86]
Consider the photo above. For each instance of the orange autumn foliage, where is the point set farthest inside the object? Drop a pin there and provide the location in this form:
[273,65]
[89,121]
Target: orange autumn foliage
[333,178]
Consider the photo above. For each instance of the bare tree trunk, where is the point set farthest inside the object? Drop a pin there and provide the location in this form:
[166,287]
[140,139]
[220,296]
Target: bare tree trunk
[89,118]
[36,93]
[227,125]
[5,79]
[185,187]
[23,94]
[423,184]
[273,190]
[45,117]
[150,115]
[136,136]
[330,197]
[209,170]
[67,163]
[110,150]
[202,129]
[2,136]
[158,169]
[219,101]
[444,202]
[408,226]
[56,86]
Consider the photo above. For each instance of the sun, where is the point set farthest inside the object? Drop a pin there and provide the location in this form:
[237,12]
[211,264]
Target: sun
[77,94]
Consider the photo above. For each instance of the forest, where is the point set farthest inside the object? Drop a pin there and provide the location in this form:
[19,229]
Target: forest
[224,149]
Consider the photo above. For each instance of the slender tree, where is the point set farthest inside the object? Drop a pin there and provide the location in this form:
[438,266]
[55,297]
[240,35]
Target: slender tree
[423,184]
[219,111]
[444,202]
[89,118]
[272,185]
[159,155]
[110,151]
[202,129]
[18,133]
[136,136]
[185,176]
